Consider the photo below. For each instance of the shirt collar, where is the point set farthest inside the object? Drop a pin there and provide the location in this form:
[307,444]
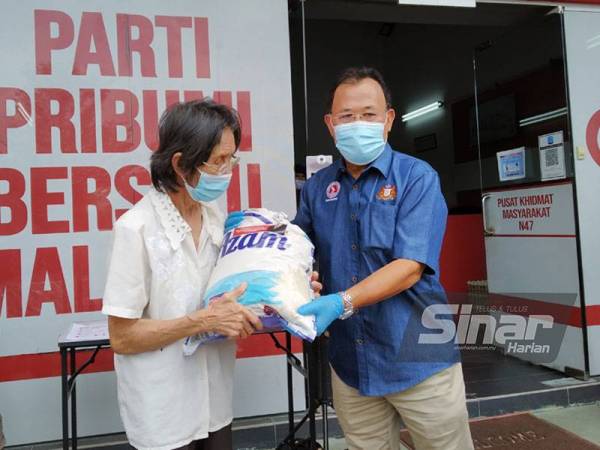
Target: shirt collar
[214,221]
[382,163]
[340,168]
[176,228]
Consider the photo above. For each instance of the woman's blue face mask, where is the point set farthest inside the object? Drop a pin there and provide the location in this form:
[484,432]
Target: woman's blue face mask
[209,187]
[360,142]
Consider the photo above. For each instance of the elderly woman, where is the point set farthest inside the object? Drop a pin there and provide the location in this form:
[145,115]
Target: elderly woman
[163,252]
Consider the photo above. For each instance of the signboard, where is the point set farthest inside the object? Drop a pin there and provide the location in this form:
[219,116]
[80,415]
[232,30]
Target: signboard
[536,211]
[531,255]
[82,88]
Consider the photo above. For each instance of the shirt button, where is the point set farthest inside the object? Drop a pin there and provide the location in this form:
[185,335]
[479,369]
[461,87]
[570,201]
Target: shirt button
[353,216]
[355,187]
[354,279]
[354,247]
[359,341]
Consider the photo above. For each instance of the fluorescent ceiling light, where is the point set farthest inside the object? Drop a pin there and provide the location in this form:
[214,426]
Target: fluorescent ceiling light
[593,42]
[421,111]
[543,117]
[469,3]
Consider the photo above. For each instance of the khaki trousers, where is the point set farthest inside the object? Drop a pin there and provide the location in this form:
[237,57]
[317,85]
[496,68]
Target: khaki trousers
[434,411]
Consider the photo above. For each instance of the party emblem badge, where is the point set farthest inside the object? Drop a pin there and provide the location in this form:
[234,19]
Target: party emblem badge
[333,190]
[387,192]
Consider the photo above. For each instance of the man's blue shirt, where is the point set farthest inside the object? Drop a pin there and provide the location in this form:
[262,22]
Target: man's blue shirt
[394,210]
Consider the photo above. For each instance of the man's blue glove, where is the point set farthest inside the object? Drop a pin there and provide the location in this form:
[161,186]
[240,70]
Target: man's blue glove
[325,309]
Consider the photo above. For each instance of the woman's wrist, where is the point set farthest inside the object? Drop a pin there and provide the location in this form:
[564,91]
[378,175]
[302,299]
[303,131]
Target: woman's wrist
[200,322]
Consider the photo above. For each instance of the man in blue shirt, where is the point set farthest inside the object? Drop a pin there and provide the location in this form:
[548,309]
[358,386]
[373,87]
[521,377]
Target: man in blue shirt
[377,219]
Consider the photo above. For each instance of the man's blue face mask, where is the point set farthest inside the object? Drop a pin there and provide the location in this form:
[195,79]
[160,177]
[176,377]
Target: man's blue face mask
[360,142]
[209,187]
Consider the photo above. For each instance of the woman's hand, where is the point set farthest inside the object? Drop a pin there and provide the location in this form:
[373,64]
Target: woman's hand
[228,318]
[315,285]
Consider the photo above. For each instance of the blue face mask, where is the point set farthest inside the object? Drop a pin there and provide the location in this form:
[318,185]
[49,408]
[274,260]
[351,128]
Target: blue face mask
[360,142]
[209,187]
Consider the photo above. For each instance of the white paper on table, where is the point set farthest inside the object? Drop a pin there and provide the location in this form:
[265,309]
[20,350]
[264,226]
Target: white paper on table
[87,331]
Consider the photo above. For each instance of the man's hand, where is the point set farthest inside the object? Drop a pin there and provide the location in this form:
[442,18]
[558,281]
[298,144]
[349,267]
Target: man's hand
[315,284]
[325,309]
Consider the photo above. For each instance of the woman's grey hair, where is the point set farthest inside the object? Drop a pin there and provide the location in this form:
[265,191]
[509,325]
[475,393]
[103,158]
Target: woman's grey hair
[193,128]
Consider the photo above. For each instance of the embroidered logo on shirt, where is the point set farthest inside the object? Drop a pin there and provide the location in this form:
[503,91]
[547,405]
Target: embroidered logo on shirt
[387,192]
[332,191]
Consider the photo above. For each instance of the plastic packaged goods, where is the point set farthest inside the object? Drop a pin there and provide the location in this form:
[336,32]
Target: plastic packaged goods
[274,257]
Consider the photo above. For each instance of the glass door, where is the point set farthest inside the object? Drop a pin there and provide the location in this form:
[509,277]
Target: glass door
[582,38]
[521,132]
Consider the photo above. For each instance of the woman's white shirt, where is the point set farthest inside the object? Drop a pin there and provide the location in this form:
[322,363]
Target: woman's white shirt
[167,399]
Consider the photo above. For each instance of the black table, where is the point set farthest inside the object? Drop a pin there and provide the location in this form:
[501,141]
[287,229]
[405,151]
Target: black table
[313,369]
[68,374]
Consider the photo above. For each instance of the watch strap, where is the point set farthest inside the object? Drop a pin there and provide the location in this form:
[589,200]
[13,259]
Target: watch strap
[348,307]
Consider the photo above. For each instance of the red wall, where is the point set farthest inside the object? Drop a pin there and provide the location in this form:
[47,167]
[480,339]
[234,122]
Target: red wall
[463,252]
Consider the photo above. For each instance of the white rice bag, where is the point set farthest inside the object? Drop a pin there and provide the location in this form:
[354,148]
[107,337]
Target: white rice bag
[274,257]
